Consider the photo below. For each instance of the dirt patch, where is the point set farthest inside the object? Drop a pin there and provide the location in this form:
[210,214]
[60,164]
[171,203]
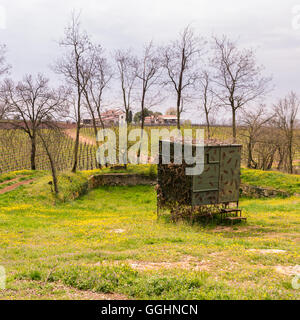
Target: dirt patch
[118,230]
[11,180]
[238,230]
[266,251]
[288,270]
[14,186]
[57,290]
[188,263]
[73,293]
[83,139]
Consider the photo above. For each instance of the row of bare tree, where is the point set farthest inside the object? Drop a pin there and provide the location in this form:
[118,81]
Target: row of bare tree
[224,76]
[272,138]
[229,77]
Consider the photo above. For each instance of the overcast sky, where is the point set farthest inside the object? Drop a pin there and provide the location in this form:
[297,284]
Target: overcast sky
[31,29]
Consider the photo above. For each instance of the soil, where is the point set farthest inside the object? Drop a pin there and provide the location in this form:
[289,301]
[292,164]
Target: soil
[72,134]
[188,263]
[266,251]
[12,180]
[67,292]
[15,185]
[288,270]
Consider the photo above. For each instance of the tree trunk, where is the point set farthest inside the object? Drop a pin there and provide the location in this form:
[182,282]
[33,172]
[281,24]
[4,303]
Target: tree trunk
[127,115]
[290,162]
[76,148]
[290,146]
[208,125]
[249,160]
[142,123]
[178,110]
[97,144]
[54,176]
[281,158]
[271,160]
[52,165]
[233,125]
[102,125]
[33,153]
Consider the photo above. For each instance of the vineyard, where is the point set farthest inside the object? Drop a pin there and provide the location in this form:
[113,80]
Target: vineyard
[15,151]
[218,133]
[15,148]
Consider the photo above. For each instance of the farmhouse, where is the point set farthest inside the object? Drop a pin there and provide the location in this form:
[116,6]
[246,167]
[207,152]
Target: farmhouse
[161,120]
[167,119]
[109,118]
[151,120]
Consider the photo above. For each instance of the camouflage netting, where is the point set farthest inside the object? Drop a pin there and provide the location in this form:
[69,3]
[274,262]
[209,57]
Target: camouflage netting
[172,178]
[178,197]
[204,195]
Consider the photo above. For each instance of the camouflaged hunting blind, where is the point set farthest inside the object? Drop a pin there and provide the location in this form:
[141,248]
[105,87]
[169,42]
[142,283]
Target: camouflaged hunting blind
[218,183]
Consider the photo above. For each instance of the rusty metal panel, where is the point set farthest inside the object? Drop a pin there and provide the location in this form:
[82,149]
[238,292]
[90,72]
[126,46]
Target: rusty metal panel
[229,180]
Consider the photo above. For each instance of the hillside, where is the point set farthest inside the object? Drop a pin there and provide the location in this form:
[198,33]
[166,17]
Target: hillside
[272,179]
[108,244]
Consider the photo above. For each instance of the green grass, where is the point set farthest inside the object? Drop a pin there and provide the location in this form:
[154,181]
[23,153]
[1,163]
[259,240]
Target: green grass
[143,169]
[22,175]
[275,180]
[110,241]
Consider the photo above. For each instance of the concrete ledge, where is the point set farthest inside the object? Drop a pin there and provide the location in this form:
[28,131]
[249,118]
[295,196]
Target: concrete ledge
[250,191]
[120,179]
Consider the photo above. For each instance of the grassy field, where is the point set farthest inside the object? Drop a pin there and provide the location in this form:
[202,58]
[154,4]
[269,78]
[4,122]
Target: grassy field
[271,179]
[108,244]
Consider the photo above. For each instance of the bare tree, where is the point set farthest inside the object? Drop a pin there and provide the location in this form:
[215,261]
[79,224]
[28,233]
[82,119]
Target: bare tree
[207,99]
[126,65]
[4,109]
[75,69]
[98,78]
[4,69]
[33,102]
[286,111]
[180,59]
[254,123]
[266,147]
[51,137]
[237,77]
[147,70]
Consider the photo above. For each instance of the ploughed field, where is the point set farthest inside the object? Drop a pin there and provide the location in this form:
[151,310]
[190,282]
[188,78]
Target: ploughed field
[108,244]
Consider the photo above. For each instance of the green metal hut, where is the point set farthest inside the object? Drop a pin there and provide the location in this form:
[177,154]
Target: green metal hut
[218,183]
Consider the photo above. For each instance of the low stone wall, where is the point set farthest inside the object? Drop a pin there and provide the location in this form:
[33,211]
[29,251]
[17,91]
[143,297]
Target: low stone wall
[120,179]
[127,179]
[250,191]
